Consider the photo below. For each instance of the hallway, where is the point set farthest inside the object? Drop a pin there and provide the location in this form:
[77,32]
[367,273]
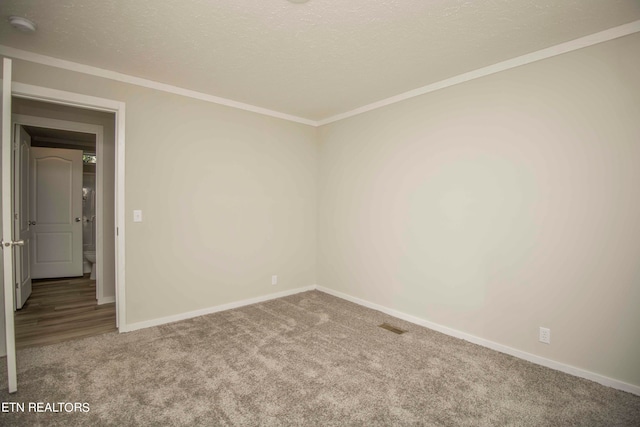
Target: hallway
[61,310]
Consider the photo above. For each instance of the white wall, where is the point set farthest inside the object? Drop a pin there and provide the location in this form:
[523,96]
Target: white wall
[228,198]
[499,205]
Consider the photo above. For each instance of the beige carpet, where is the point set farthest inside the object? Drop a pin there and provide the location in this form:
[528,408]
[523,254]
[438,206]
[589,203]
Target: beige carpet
[307,359]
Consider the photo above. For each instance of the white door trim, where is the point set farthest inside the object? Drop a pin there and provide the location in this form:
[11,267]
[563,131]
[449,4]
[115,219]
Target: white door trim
[98,131]
[39,93]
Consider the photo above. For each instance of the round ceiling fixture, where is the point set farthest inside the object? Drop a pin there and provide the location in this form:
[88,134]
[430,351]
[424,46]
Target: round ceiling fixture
[298,1]
[22,24]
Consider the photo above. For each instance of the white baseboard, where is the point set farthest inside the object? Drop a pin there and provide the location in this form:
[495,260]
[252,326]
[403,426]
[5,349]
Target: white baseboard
[216,309]
[106,300]
[572,370]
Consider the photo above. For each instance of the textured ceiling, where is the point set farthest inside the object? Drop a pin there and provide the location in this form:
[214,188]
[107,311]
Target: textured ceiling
[311,60]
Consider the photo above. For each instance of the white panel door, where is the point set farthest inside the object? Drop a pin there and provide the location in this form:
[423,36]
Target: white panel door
[21,219]
[6,229]
[56,212]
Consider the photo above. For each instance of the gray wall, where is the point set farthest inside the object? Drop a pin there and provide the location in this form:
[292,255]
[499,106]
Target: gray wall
[228,197]
[499,205]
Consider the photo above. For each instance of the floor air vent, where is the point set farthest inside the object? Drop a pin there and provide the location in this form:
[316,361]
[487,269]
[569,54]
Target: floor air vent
[393,329]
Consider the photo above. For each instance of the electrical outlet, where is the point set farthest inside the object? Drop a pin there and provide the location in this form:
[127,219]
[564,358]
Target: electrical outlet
[545,335]
[274,280]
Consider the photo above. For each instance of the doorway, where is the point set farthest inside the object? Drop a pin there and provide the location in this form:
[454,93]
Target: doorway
[72,268]
[83,103]
[90,134]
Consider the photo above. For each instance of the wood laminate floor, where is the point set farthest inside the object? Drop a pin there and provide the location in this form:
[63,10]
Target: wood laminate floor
[62,310]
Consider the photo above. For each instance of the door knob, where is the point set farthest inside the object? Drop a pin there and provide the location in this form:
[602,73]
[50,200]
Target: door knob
[32,223]
[78,219]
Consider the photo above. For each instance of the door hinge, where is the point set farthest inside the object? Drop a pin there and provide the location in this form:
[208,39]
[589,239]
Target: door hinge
[117,231]
[15,216]
[17,285]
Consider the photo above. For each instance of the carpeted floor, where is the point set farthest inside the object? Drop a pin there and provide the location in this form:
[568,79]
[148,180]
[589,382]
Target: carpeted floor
[307,359]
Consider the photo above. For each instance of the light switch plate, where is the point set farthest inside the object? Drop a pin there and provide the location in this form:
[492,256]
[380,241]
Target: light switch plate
[137,216]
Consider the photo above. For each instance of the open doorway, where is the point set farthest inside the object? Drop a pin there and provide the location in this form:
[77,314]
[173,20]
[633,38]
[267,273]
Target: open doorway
[63,171]
[82,103]
[62,307]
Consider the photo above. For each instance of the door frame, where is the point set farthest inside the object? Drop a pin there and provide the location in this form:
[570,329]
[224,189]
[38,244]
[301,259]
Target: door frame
[17,160]
[38,93]
[7,229]
[98,131]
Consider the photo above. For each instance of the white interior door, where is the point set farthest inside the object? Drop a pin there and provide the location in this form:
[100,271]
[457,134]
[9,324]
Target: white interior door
[56,212]
[6,229]
[21,218]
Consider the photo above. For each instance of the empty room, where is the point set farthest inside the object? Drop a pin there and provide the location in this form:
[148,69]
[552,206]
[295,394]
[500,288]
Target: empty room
[321,212]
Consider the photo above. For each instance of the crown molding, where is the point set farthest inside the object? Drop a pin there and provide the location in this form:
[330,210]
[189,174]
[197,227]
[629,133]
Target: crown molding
[582,42]
[149,84]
